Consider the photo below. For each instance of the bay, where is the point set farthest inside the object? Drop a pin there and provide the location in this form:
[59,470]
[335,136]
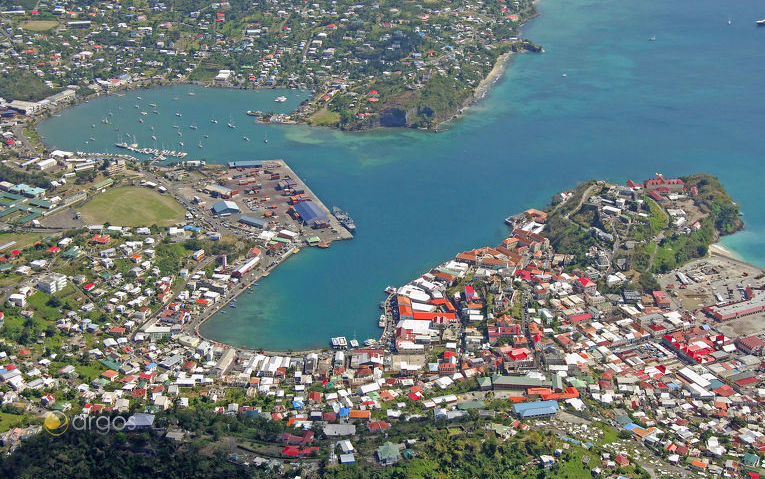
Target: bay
[690,101]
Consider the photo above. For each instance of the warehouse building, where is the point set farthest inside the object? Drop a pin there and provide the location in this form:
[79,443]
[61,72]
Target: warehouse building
[250,221]
[310,212]
[218,190]
[519,383]
[225,207]
[245,164]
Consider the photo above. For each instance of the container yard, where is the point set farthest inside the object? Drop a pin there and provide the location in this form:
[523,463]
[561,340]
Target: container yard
[266,199]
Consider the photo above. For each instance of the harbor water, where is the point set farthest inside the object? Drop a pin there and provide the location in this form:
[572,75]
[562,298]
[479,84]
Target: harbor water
[690,101]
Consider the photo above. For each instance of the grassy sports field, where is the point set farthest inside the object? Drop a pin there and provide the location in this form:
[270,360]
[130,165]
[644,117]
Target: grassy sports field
[132,206]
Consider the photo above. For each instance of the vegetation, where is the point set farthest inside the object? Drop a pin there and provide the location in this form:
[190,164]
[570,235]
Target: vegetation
[22,85]
[132,206]
[714,200]
[15,176]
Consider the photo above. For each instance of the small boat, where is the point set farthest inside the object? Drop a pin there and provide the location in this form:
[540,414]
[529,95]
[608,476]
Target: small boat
[153,137]
[138,98]
[92,139]
[213,121]
[231,125]
[200,145]
[245,138]
[563,75]
[140,120]
[390,289]
[381,322]
[652,38]
[153,105]
[232,305]
[760,23]
[155,112]
[178,114]
[205,136]
[252,113]
[280,99]
[180,134]
[180,143]
[138,106]
[191,93]
[193,127]
[324,244]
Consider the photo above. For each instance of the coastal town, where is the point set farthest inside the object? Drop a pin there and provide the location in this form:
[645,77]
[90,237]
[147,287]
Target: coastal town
[392,64]
[607,330]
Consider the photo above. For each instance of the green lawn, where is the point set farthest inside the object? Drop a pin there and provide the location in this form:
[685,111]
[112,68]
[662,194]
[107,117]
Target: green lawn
[22,239]
[132,206]
[7,421]
[325,117]
[39,25]
[658,219]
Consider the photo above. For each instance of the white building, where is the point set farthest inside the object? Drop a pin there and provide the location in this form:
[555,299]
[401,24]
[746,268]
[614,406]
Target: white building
[52,283]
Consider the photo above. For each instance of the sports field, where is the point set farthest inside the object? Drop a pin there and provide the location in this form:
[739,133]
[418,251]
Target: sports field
[39,25]
[132,206]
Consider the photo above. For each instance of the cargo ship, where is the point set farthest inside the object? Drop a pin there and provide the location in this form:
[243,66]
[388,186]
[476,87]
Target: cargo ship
[344,219]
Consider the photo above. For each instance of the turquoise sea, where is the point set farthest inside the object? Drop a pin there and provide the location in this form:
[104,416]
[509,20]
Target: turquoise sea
[693,100]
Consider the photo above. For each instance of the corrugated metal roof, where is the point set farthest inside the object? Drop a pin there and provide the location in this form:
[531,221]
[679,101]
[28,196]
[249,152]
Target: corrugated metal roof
[537,408]
[309,211]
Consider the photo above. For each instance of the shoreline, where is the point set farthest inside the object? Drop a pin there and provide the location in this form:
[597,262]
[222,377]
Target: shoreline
[717,249]
[479,93]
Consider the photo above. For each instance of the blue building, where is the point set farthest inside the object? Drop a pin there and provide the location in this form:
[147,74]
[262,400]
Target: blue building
[310,212]
[536,408]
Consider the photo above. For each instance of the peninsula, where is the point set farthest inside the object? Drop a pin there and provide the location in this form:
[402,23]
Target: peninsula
[386,64]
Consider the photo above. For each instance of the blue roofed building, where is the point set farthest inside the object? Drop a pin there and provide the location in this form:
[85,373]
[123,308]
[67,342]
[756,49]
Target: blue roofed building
[310,212]
[536,408]
[225,207]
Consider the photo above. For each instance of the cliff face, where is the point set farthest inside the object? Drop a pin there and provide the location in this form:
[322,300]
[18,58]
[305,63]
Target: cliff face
[393,117]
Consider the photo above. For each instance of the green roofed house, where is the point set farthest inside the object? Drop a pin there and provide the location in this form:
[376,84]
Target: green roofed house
[111,364]
[388,454]
[577,382]
[751,460]
[468,405]
[484,383]
[72,252]
[28,191]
